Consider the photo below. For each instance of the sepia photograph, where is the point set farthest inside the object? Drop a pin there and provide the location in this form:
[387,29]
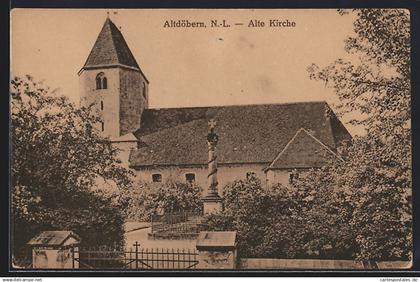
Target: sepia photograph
[210,139]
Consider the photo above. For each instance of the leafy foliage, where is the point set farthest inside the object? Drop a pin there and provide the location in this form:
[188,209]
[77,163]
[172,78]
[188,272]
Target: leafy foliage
[377,82]
[377,170]
[57,162]
[326,209]
[247,221]
[148,199]
[286,223]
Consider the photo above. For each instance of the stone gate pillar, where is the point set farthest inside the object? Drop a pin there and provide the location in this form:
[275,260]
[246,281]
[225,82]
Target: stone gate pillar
[217,250]
[54,249]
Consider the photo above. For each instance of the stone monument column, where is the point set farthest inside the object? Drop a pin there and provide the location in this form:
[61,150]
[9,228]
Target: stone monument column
[212,201]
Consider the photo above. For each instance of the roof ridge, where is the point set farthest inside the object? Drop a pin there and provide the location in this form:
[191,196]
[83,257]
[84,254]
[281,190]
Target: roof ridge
[111,25]
[115,32]
[241,105]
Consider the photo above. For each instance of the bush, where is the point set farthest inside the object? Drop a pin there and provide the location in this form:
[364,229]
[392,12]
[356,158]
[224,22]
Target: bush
[279,222]
[148,199]
[251,211]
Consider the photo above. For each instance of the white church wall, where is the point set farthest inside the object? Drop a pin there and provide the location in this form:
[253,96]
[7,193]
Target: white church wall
[230,173]
[173,173]
[278,176]
[282,176]
[225,174]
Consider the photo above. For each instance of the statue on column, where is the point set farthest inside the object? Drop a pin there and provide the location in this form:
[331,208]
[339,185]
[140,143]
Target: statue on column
[212,200]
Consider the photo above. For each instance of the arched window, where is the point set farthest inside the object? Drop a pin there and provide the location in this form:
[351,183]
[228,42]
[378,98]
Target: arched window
[98,82]
[101,81]
[104,83]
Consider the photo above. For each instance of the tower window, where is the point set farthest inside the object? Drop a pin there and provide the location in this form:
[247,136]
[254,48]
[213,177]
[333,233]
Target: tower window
[98,83]
[101,81]
[157,177]
[102,126]
[144,90]
[190,178]
[102,105]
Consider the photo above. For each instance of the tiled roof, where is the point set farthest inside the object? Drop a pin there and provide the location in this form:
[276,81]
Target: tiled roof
[52,238]
[110,49]
[247,134]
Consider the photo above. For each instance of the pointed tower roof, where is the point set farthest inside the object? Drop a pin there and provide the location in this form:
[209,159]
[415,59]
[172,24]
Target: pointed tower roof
[110,49]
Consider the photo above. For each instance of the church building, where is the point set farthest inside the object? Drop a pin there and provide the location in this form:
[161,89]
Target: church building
[275,142]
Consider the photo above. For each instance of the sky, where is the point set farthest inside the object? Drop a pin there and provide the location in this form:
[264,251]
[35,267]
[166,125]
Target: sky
[189,66]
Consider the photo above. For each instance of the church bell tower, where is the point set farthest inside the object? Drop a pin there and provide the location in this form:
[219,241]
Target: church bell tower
[112,80]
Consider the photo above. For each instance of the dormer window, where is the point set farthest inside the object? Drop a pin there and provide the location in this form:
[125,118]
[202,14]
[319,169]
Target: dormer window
[101,81]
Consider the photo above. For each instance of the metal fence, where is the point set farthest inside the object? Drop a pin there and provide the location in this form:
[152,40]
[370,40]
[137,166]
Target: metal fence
[183,224]
[135,258]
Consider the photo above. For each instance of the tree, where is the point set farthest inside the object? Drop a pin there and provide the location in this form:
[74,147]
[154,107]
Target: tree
[309,220]
[380,216]
[244,208]
[57,161]
[377,169]
[247,203]
[147,199]
[325,211]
